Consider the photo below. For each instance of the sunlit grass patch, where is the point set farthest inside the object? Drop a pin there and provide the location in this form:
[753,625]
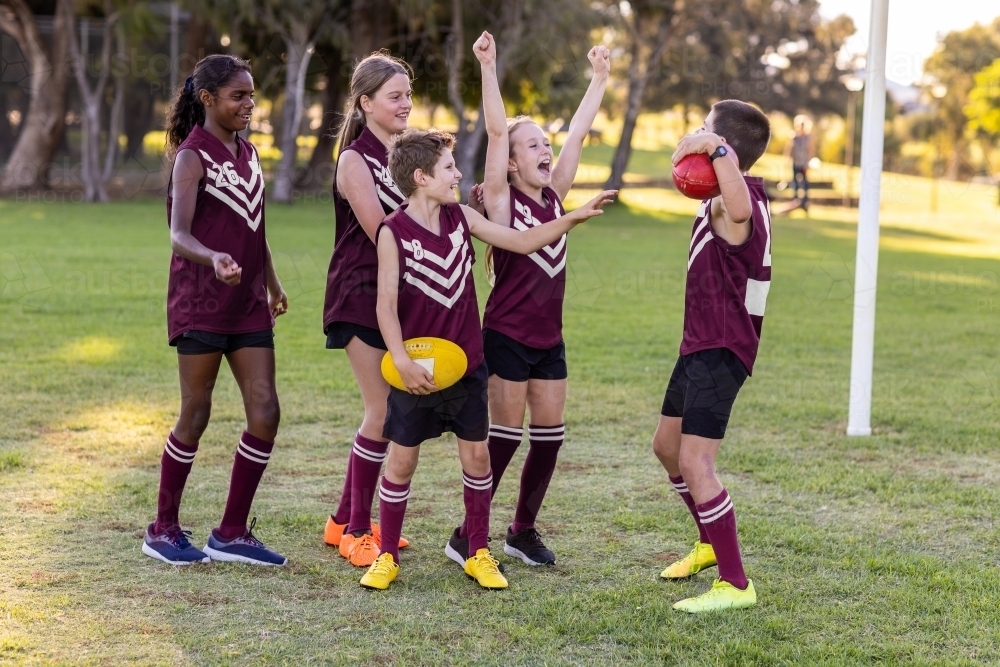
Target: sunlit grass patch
[90,350]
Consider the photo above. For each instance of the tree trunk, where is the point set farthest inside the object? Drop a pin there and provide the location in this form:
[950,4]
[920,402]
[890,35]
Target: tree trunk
[116,124]
[318,174]
[470,135]
[90,163]
[42,125]
[638,76]
[300,49]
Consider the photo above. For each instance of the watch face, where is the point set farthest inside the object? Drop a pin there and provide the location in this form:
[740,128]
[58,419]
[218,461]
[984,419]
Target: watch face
[719,152]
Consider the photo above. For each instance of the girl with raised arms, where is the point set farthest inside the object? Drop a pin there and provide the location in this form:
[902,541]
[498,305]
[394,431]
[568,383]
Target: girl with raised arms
[522,325]
[222,297]
[377,109]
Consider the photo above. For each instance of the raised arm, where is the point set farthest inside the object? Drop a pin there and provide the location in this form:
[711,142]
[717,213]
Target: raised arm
[415,377]
[355,183]
[530,240]
[583,120]
[186,175]
[496,191]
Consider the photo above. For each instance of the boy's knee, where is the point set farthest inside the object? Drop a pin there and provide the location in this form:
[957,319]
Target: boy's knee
[197,416]
[265,418]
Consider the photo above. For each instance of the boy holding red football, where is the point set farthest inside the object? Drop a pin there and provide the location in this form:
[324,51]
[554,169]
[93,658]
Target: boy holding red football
[426,289]
[729,273]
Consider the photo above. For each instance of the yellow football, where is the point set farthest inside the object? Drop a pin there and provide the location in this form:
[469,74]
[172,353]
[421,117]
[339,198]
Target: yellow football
[442,358]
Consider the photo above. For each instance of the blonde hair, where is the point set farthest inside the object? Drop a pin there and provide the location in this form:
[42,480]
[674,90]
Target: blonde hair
[512,125]
[369,75]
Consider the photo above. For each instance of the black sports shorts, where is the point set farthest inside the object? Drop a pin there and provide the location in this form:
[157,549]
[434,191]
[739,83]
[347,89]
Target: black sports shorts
[702,390]
[516,362]
[206,342]
[339,334]
[461,409]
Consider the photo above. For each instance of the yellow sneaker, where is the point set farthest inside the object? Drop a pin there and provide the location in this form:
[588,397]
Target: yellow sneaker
[723,595]
[382,572]
[700,558]
[485,569]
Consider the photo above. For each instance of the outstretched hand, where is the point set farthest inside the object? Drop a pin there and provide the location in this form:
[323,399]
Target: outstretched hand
[596,205]
[485,49]
[600,59]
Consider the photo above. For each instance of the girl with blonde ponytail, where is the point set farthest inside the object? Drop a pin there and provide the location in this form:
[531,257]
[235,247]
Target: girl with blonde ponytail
[376,110]
[524,187]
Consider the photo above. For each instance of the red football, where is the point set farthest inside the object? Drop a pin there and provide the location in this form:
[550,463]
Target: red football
[695,177]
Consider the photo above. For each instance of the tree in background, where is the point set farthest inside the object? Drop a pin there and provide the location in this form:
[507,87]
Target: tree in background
[954,64]
[647,24]
[983,109]
[42,126]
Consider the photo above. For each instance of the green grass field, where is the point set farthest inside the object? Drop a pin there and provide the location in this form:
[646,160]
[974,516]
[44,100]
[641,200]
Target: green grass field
[881,550]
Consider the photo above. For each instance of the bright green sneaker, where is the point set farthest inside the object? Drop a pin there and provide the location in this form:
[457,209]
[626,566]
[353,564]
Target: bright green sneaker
[381,573]
[722,596]
[700,558]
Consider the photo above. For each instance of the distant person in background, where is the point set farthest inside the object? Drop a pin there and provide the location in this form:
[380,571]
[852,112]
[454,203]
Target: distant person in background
[801,151]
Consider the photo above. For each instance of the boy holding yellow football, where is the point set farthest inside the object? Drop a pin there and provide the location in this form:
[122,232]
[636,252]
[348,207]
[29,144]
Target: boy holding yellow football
[426,289]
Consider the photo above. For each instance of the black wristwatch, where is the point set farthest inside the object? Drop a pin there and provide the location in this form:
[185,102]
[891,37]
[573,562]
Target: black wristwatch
[719,152]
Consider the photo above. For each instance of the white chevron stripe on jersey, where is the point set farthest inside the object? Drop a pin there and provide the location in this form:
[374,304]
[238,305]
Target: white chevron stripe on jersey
[458,243]
[386,198]
[698,248]
[383,174]
[441,280]
[766,214]
[553,251]
[436,295]
[253,223]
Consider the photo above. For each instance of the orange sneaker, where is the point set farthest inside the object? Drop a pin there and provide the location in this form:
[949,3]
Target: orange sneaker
[333,532]
[361,551]
[377,534]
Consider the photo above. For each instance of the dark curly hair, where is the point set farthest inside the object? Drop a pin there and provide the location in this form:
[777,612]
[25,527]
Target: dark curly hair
[186,110]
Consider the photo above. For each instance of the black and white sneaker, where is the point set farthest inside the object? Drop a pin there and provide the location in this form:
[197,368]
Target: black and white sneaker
[457,549]
[528,546]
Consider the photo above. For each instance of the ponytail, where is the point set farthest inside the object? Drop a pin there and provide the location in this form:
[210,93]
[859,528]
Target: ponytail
[186,110]
[369,76]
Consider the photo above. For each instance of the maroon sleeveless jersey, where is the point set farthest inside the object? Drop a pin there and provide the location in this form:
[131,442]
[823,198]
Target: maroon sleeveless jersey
[437,293]
[228,217]
[727,285]
[527,299]
[352,279]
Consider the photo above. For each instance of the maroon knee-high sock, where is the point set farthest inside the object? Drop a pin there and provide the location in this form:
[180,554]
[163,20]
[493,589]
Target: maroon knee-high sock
[682,490]
[366,464]
[343,513]
[545,442]
[252,455]
[391,511]
[175,464]
[478,495]
[503,442]
[719,519]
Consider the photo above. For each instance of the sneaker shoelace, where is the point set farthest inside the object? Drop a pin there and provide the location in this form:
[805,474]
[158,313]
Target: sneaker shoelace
[533,539]
[382,565]
[488,563]
[180,539]
[364,542]
[250,538]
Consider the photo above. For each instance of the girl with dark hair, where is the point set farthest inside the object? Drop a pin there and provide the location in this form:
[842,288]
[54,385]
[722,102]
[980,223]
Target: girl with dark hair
[524,187]
[222,298]
[364,193]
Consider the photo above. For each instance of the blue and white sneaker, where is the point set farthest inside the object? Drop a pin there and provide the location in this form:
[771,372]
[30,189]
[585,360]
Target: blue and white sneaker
[172,547]
[246,549]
